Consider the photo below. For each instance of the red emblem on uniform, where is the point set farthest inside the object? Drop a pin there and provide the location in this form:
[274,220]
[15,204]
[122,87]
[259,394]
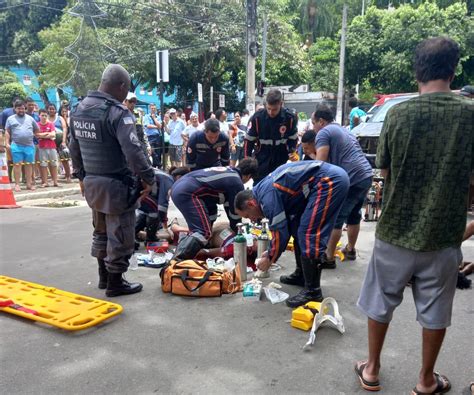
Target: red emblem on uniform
[219,149]
[282,129]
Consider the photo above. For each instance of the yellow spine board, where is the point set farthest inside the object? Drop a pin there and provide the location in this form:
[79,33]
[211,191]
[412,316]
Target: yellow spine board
[53,306]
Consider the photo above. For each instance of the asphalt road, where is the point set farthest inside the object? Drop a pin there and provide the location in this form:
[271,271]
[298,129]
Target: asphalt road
[172,345]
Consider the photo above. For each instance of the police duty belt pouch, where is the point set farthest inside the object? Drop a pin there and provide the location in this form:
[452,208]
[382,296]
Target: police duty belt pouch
[194,278]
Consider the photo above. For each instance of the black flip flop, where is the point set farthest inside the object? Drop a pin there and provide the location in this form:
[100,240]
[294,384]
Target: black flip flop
[367,385]
[440,388]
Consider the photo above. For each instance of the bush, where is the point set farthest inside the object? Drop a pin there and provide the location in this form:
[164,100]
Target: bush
[9,91]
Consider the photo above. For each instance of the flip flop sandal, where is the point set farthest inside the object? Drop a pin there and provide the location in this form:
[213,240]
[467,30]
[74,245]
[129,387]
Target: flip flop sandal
[367,385]
[441,381]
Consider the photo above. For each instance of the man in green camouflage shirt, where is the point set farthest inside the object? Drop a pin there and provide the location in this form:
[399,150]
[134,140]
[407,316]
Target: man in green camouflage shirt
[426,155]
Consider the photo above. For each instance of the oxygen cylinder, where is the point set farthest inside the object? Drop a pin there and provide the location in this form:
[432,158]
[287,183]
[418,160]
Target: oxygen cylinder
[263,239]
[240,251]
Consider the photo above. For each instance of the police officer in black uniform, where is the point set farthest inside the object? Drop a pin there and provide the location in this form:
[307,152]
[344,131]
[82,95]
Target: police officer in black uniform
[208,148]
[272,135]
[107,158]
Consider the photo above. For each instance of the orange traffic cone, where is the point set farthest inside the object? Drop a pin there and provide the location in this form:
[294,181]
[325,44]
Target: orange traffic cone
[7,200]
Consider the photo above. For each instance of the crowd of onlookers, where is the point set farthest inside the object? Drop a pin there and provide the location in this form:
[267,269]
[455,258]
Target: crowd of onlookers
[166,137]
[34,140]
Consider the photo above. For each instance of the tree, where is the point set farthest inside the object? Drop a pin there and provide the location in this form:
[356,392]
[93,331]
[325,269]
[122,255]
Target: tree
[287,60]
[20,22]
[381,44]
[9,88]
[324,60]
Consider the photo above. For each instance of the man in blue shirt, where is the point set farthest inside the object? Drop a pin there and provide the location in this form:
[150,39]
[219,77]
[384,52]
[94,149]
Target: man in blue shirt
[152,124]
[208,148]
[176,127]
[7,112]
[338,147]
[356,115]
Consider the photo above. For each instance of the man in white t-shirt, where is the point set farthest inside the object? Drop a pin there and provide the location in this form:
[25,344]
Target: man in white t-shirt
[221,116]
[188,132]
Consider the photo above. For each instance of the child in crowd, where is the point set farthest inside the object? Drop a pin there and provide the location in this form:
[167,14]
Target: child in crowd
[48,155]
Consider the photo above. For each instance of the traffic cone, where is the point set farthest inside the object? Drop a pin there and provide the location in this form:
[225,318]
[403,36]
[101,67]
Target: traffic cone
[7,200]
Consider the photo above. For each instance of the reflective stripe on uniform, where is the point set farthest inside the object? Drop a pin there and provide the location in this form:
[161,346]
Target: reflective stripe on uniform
[200,237]
[282,141]
[278,218]
[250,138]
[162,208]
[217,177]
[298,169]
[293,136]
[234,216]
[305,190]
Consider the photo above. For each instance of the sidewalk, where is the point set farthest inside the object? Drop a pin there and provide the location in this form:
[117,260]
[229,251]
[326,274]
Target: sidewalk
[65,189]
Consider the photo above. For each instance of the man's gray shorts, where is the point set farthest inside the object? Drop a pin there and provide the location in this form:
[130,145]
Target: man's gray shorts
[434,275]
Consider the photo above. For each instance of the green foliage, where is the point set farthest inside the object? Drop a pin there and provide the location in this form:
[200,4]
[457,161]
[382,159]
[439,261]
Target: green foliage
[324,60]
[9,88]
[287,62]
[20,23]
[380,45]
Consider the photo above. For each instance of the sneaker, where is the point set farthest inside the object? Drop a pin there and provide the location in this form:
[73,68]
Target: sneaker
[327,263]
[350,255]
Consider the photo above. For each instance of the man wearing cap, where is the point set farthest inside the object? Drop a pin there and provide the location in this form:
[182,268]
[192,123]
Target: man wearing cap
[176,127]
[130,102]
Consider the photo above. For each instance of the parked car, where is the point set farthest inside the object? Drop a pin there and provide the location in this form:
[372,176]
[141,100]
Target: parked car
[368,132]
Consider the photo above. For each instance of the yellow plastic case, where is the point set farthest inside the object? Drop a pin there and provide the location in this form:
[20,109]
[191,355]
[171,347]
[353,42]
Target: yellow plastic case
[302,317]
[53,306]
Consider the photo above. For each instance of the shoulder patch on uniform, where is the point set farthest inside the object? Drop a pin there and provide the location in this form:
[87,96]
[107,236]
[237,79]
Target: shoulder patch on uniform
[190,151]
[134,138]
[249,126]
[128,120]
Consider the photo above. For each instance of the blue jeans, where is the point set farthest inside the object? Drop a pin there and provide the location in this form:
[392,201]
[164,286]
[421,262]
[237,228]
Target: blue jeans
[350,211]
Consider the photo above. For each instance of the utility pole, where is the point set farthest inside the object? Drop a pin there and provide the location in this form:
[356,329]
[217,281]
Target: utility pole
[363,7]
[251,54]
[264,46]
[342,56]
[211,101]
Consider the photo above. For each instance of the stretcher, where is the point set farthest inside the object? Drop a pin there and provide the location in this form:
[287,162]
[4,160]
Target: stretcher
[53,306]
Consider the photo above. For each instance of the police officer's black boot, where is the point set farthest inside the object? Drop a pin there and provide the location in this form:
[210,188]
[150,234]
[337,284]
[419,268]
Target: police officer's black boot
[312,290]
[103,274]
[295,278]
[117,285]
[187,248]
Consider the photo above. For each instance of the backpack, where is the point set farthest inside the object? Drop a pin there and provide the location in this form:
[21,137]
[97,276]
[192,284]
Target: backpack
[194,278]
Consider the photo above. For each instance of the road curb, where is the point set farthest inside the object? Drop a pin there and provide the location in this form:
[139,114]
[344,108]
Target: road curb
[47,194]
